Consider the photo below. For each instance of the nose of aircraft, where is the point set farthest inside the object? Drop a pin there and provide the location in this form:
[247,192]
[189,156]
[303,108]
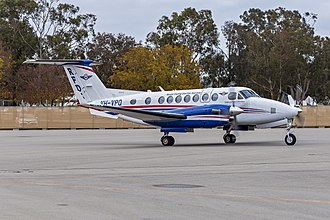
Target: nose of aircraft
[293,111]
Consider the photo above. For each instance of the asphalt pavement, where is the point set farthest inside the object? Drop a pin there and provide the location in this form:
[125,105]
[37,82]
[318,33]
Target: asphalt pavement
[128,174]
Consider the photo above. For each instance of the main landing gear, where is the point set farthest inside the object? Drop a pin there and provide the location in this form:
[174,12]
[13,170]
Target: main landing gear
[167,140]
[229,138]
[290,139]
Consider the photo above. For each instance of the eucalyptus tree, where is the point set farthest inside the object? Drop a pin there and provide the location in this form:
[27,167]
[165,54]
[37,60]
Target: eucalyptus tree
[272,51]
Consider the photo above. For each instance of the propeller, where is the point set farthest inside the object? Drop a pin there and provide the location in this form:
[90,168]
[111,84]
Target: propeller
[300,118]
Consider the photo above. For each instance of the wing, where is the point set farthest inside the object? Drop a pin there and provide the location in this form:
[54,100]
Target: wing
[146,116]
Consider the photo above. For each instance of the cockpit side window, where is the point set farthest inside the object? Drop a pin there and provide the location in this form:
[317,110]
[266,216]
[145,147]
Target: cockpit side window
[248,93]
[240,96]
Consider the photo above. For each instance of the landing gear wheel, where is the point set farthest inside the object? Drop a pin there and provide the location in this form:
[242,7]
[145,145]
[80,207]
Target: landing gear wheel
[229,138]
[233,138]
[167,140]
[290,139]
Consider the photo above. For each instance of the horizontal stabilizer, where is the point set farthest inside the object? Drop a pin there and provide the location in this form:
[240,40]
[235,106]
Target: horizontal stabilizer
[62,62]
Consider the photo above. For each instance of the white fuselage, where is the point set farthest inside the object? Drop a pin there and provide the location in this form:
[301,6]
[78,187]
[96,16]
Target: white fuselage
[257,110]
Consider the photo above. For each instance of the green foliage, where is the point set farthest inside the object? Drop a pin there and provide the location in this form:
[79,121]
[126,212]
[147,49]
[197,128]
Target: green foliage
[16,34]
[171,67]
[194,29]
[272,51]
[61,31]
[106,48]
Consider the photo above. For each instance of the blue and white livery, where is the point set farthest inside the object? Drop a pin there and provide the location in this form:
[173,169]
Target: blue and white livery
[233,108]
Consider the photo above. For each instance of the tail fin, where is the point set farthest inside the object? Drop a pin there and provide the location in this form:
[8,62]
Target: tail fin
[85,83]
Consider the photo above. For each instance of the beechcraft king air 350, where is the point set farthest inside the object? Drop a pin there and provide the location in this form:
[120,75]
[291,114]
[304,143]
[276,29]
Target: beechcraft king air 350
[233,108]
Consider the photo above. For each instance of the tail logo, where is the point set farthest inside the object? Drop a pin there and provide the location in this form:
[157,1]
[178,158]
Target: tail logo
[86,76]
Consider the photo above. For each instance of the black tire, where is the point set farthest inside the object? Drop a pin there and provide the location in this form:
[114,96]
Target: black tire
[290,139]
[232,138]
[227,138]
[167,141]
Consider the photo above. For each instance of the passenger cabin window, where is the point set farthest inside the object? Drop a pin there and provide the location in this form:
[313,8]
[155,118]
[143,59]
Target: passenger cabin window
[249,93]
[161,100]
[169,99]
[205,97]
[187,98]
[178,99]
[232,95]
[147,101]
[214,97]
[133,101]
[196,98]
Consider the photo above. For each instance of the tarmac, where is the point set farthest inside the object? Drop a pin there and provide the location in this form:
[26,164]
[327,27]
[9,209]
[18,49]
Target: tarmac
[128,174]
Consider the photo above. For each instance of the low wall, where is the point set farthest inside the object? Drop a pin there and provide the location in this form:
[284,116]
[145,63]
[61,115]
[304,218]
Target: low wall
[56,118]
[317,116]
[80,118]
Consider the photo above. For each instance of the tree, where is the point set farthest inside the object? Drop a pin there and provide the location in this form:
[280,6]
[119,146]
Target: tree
[16,33]
[5,70]
[171,67]
[214,69]
[106,48]
[43,85]
[194,29]
[61,31]
[320,83]
[41,29]
[272,51]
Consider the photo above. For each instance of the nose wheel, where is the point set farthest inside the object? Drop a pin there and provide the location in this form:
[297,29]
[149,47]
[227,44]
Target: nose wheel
[290,139]
[229,138]
[167,140]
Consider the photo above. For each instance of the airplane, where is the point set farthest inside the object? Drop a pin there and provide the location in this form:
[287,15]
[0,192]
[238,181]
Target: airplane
[233,108]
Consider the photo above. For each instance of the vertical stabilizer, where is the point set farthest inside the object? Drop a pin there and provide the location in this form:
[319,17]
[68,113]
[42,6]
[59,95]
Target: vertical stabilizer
[86,85]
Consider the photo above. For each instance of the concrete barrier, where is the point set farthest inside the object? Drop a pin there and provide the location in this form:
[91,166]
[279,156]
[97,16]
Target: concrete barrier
[80,118]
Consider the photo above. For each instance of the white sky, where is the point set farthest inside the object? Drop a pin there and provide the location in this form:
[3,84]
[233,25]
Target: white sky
[137,18]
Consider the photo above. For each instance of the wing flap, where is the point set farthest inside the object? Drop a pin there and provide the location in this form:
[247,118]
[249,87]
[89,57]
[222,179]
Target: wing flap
[146,116]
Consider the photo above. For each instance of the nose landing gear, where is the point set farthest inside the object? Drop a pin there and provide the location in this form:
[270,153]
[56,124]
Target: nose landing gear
[290,139]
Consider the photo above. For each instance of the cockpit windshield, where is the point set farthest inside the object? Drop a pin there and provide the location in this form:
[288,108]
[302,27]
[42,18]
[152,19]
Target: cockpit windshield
[249,93]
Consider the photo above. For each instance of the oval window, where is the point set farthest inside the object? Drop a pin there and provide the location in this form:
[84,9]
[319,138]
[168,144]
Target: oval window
[187,98]
[178,99]
[148,100]
[161,100]
[232,96]
[169,99]
[133,101]
[205,97]
[196,98]
[214,97]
